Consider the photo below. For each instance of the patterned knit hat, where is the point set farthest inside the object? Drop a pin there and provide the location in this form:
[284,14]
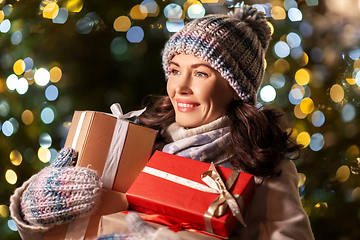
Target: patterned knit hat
[233,44]
[61,193]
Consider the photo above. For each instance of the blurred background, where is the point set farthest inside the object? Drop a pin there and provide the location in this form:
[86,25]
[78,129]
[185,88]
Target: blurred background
[60,56]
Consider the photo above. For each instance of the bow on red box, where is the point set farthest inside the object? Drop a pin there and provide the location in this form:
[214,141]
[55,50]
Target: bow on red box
[174,186]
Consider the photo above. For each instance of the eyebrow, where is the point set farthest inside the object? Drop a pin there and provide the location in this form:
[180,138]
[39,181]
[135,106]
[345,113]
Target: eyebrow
[196,65]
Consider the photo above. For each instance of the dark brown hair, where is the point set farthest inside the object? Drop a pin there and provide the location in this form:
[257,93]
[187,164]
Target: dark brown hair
[258,139]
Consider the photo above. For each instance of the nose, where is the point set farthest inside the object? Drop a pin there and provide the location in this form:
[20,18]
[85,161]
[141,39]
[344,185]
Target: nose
[183,85]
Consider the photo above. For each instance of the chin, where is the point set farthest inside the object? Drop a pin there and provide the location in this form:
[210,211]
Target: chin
[186,123]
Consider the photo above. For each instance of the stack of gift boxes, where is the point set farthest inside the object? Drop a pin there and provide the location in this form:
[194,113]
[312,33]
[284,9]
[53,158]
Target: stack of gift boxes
[195,199]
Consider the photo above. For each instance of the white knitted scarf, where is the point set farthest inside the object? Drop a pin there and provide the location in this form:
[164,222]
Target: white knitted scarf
[207,143]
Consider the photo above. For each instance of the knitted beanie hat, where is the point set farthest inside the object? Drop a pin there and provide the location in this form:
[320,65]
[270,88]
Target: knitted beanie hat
[233,44]
[61,193]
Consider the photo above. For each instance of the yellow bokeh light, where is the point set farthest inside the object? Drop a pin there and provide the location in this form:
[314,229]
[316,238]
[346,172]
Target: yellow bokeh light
[357,63]
[51,10]
[271,28]
[4,211]
[302,179]
[19,67]
[27,117]
[336,93]
[282,66]
[278,13]
[303,60]
[356,194]
[352,151]
[209,1]
[74,5]
[11,176]
[138,12]
[351,81]
[307,105]
[15,157]
[2,16]
[265,63]
[44,155]
[302,76]
[303,138]
[298,113]
[343,173]
[55,74]
[122,24]
[321,208]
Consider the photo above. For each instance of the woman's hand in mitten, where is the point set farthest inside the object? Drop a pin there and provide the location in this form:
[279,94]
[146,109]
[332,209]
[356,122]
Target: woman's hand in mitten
[61,193]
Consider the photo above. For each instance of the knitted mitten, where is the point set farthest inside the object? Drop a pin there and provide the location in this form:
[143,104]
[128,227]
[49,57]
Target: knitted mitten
[61,193]
[141,230]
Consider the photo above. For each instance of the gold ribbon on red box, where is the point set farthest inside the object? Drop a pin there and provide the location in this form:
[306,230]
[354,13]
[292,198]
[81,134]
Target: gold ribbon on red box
[214,185]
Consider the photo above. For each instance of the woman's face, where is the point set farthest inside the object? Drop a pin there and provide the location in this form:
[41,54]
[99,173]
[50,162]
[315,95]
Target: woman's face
[197,91]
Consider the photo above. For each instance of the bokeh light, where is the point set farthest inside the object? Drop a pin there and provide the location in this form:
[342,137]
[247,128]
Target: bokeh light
[119,46]
[295,15]
[336,93]
[19,67]
[12,225]
[16,38]
[11,176]
[42,77]
[15,157]
[293,39]
[44,155]
[55,74]
[307,105]
[135,34]
[278,13]
[7,128]
[29,64]
[348,113]
[4,108]
[51,10]
[74,5]
[343,173]
[5,26]
[4,211]
[47,115]
[45,140]
[196,11]
[316,142]
[267,93]
[138,12]
[282,50]
[122,24]
[27,117]
[277,80]
[61,17]
[22,86]
[8,9]
[12,82]
[151,7]
[173,11]
[295,96]
[303,138]
[302,76]
[51,93]
[318,118]
[298,113]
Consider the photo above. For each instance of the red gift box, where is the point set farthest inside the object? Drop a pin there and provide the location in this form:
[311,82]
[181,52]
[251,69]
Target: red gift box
[169,185]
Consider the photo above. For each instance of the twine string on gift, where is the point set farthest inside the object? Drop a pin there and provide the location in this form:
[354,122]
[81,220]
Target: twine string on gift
[117,143]
[215,185]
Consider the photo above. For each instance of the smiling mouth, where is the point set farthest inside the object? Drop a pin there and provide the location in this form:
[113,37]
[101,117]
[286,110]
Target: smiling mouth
[186,107]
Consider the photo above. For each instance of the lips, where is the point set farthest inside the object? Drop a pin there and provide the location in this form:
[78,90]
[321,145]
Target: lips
[186,106]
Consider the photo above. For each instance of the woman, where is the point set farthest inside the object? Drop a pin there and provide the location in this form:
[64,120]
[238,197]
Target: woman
[215,67]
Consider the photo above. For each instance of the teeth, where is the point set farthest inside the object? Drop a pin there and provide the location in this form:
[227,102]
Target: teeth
[186,105]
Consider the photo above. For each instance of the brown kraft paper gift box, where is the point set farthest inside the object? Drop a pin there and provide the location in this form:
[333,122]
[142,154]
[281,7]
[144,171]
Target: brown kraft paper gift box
[91,135]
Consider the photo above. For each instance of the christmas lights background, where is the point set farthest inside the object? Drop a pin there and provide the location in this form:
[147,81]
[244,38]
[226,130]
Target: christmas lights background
[60,56]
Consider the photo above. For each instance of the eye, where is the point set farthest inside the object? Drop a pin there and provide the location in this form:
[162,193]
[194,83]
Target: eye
[174,72]
[201,74]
